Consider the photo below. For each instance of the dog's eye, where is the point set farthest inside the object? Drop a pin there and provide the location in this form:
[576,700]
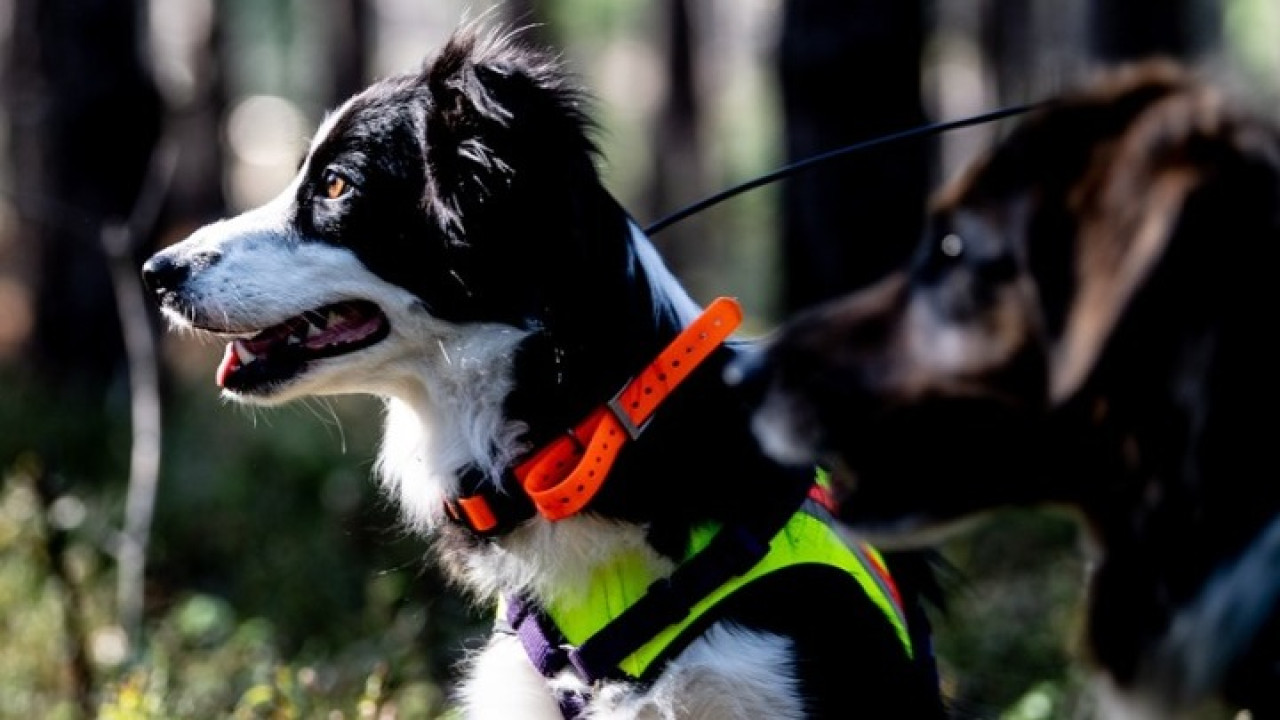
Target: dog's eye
[335,185]
[951,245]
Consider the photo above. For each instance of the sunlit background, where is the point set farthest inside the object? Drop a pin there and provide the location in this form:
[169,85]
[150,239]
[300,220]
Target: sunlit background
[165,554]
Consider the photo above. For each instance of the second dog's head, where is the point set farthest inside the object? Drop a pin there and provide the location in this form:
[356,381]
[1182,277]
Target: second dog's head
[1024,354]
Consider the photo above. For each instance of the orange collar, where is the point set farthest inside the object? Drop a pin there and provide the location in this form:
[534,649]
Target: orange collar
[562,477]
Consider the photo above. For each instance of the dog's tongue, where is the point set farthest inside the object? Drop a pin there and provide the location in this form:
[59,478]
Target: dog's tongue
[230,363]
[242,350]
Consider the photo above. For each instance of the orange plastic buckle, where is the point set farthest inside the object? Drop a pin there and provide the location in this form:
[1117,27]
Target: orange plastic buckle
[473,511]
[478,513]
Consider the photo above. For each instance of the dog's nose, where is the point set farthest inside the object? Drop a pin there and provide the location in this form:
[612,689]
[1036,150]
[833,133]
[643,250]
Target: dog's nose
[162,273]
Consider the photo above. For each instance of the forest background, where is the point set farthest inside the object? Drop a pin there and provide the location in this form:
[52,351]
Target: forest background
[165,554]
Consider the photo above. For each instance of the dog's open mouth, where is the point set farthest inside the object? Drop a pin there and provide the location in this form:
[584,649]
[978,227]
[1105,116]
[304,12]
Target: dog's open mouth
[281,351]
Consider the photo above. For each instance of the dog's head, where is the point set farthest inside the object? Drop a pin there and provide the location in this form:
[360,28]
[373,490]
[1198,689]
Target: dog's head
[943,390]
[454,199]
[448,245]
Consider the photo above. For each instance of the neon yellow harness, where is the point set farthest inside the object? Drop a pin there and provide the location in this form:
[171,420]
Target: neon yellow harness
[804,539]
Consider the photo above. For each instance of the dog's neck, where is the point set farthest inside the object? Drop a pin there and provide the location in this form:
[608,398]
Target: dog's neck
[695,462]
[492,393]
[582,351]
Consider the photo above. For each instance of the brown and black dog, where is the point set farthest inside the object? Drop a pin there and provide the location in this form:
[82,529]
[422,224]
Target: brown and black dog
[1087,324]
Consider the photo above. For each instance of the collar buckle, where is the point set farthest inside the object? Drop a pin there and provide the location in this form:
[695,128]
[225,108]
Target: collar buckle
[624,418]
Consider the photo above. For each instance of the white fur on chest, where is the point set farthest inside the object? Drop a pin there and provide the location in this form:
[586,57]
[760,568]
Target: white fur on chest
[729,673]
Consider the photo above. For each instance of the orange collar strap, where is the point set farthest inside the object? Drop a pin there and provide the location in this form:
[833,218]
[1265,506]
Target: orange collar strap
[562,477]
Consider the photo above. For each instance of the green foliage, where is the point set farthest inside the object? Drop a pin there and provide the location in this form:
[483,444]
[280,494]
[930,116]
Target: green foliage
[32,683]
[201,658]
[203,662]
[279,585]
[1008,642]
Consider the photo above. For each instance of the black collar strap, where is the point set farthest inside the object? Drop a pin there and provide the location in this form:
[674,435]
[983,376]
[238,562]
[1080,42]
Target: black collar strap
[486,510]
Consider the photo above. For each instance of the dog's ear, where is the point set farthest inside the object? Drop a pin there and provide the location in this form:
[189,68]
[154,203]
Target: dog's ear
[463,119]
[493,104]
[1123,232]
[1130,204]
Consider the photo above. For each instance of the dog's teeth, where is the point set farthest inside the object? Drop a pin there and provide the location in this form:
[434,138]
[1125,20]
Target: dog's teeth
[315,320]
[334,317]
[244,353]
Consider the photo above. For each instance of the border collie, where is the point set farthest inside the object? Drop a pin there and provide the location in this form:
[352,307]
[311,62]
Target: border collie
[556,418]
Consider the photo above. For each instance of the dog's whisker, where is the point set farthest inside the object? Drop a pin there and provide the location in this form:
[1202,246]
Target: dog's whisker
[322,409]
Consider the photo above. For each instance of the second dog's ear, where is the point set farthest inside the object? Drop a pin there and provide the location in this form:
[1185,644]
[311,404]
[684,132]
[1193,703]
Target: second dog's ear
[1118,247]
[1131,205]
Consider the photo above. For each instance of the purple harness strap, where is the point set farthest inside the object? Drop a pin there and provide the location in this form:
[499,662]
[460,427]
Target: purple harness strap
[548,656]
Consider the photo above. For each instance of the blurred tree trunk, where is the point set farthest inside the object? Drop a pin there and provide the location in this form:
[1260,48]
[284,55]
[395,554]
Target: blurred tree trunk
[195,114]
[1132,29]
[349,28]
[850,71]
[85,119]
[678,175]
[1010,40]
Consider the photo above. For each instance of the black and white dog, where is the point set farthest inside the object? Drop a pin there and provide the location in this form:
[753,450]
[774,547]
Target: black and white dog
[448,245]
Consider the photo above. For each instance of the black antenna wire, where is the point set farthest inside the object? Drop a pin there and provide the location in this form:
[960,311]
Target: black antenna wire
[793,168]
